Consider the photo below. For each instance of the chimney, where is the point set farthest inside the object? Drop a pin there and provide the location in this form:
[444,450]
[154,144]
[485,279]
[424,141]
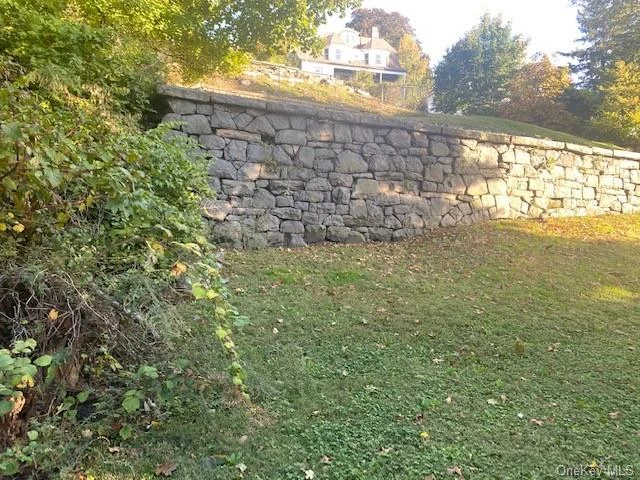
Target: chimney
[375,33]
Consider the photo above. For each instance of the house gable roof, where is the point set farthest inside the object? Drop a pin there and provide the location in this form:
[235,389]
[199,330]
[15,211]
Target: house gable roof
[364,43]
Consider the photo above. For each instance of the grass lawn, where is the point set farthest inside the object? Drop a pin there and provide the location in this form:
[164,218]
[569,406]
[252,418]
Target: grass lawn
[506,350]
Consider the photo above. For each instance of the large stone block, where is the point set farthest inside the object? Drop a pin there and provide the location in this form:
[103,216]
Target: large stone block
[315,233]
[236,150]
[217,210]
[181,106]
[320,132]
[238,189]
[221,119]
[291,137]
[341,195]
[259,153]
[399,138]
[196,125]
[477,185]
[287,213]
[338,234]
[439,149]
[262,126]
[366,188]
[291,226]
[350,162]
[222,169]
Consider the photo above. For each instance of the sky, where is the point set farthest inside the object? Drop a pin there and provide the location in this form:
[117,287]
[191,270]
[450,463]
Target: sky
[550,25]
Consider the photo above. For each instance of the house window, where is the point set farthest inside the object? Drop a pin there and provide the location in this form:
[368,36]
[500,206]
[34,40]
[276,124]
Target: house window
[378,59]
[338,54]
[366,58]
[326,54]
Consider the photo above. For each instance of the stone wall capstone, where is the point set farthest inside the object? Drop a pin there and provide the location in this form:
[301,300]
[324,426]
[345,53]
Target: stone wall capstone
[292,174]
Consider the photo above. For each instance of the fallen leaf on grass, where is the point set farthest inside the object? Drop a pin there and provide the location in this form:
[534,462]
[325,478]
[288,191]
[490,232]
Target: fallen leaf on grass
[553,348]
[275,331]
[437,360]
[326,459]
[492,401]
[430,477]
[114,449]
[309,475]
[242,467]
[455,471]
[537,422]
[385,451]
[424,435]
[243,439]
[165,469]
[449,400]
[53,314]
[614,415]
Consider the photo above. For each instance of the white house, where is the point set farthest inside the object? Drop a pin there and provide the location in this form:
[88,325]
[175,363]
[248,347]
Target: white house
[346,52]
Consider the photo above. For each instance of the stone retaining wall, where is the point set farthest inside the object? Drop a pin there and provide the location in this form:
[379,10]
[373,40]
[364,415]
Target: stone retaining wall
[294,174]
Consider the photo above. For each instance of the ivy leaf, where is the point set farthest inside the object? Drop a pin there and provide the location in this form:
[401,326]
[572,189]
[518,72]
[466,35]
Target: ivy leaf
[198,291]
[82,397]
[125,432]
[131,404]
[32,435]
[53,176]
[5,407]
[43,361]
[5,361]
[9,467]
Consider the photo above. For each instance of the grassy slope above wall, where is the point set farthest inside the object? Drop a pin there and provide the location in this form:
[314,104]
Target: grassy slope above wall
[339,96]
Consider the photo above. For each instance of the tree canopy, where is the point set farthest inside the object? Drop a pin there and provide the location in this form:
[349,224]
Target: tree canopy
[419,75]
[535,95]
[392,25]
[473,75]
[610,33]
[203,35]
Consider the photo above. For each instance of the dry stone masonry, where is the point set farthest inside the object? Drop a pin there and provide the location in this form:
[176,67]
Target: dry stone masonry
[292,174]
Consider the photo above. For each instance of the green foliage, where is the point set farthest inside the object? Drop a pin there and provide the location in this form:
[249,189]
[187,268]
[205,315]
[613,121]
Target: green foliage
[204,36]
[536,93]
[619,113]
[18,372]
[392,25]
[474,74]
[419,74]
[610,33]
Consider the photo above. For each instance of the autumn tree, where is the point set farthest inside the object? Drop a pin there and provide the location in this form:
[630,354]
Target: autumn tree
[393,26]
[419,76]
[535,95]
[610,33]
[619,114]
[474,74]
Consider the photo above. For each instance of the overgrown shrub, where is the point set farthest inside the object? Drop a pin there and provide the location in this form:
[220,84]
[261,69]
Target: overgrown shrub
[100,226]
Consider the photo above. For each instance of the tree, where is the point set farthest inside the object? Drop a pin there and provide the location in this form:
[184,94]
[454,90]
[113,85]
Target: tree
[419,75]
[619,114]
[474,73]
[536,93]
[204,36]
[610,32]
[392,25]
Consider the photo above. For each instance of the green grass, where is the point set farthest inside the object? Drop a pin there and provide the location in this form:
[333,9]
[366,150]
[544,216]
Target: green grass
[354,351]
[502,125]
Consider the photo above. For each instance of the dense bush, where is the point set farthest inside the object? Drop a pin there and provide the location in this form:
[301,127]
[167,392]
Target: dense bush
[100,225]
